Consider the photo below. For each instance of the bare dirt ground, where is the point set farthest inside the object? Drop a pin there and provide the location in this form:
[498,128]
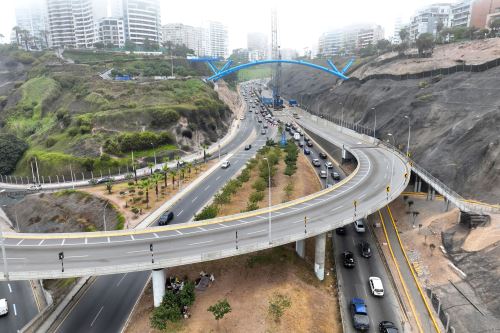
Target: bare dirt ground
[468,52]
[248,282]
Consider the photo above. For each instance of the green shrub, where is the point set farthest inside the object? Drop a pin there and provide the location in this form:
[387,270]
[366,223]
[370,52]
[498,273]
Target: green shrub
[244,176]
[208,212]
[162,117]
[73,131]
[222,198]
[134,141]
[50,141]
[256,196]
[278,303]
[252,206]
[12,149]
[135,210]
[121,222]
[259,185]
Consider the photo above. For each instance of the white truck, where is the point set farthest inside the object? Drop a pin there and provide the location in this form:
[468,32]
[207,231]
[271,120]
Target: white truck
[296,136]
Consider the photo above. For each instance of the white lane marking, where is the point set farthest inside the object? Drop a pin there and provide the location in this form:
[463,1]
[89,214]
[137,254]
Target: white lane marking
[123,277]
[262,217]
[10,289]
[86,240]
[64,240]
[97,315]
[362,196]
[298,221]
[202,229]
[156,235]
[16,258]
[73,257]
[109,240]
[217,178]
[256,232]
[41,242]
[223,225]
[205,242]
[15,309]
[336,208]
[293,208]
[20,242]
[137,251]
[206,188]
[132,237]
[180,233]
[180,212]
[194,199]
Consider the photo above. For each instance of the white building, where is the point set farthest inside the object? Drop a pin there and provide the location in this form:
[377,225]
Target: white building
[181,34]
[461,14]
[258,46]
[426,20]
[110,31]
[61,23]
[142,21]
[345,41]
[31,15]
[215,35]
[398,26]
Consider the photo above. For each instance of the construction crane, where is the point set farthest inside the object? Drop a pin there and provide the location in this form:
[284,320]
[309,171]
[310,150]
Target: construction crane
[276,55]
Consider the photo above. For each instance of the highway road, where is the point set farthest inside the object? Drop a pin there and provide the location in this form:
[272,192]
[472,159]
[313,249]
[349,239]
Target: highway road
[22,306]
[110,299]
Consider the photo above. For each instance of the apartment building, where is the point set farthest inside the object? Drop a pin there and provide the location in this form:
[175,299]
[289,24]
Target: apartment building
[110,31]
[32,16]
[484,11]
[347,40]
[427,19]
[215,34]
[258,46]
[142,21]
[189,36]
[461,13]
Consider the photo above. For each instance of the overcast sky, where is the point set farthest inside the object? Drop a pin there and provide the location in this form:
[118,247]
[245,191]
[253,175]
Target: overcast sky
[300,22]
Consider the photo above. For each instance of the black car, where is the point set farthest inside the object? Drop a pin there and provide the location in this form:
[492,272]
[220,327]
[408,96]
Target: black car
[309,144]
[166,217]
[387,327]
[348,259]
[322,155]
[248,147]
[335,175]
[307,151]
[341,231]
[287,129]
[306,139]
[365,249]
[301,144]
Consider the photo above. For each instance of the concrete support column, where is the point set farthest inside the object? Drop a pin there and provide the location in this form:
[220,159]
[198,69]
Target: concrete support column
[446,204]
[419,185]
[300,248]
[415,185]
[429,195]
[319,256]
[158,286]
[433,194]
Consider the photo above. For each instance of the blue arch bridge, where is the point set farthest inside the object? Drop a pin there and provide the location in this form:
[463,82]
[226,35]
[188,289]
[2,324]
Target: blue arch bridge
[226,69]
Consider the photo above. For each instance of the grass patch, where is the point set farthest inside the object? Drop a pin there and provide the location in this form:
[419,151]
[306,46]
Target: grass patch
[255,72]
[277,255]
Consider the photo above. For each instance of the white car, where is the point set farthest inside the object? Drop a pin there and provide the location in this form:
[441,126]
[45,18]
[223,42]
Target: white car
[34,187]
[4,308]
[359,226]
[376,286]
[323,174]
[225,165]
[328,164]
[242,118]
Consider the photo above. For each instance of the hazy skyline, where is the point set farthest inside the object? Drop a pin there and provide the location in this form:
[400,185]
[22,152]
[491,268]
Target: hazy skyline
[299,25]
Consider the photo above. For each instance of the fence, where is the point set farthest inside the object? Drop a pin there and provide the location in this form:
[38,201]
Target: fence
[442,314]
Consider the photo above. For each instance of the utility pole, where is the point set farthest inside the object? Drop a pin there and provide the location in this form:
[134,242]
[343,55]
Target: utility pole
[409,130]
[269,198]
[37,173]
[375,123]
[104,215]
[4,256]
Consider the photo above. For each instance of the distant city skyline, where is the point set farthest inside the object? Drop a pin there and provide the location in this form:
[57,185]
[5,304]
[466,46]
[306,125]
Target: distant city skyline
[299,26]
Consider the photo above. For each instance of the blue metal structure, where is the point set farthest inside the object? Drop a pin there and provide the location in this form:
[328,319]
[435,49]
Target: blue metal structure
[225,69]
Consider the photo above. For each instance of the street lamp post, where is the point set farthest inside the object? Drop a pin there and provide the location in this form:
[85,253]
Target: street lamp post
[154,153]
[375,123]
[392,163]
[409,131]
[342,118]
[269,198]
[4,256]
[104,215]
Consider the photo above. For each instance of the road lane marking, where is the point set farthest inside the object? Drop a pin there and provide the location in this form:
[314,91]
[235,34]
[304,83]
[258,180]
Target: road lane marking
[41,242]
[180,233]
[194,199]
[76,257]
[156,235]
[10,289]
[217,178]
[123,277]
[109,240]
[132,237]
[97,315]
[202,229]
[15,309]
[206,188]
[256,232]
[16,258]
[336,208]
[137,251]
[223,225]
[362,196]
[86,240]
[20,242]
[199,243]
[180,213]
[64,240]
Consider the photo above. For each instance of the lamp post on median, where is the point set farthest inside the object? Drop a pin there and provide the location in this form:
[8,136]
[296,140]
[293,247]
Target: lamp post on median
[409,131]
[392,163]
[375,123]
[269,199]
[154,153]
[4,256]
[104,215]
[342,117]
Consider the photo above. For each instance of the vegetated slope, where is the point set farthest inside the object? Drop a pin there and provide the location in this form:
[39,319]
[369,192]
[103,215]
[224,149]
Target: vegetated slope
[455,120]
[70,116]
[64,211]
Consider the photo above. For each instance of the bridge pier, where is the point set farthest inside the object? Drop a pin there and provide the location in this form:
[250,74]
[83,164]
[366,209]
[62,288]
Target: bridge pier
[158,277]
[433,194]
[415,184]
[446,204]
[319,256]
[300,248]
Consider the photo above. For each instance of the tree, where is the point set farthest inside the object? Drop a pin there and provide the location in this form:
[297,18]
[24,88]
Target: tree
[169,310]
[145,184]
[187,295]
[383,45]
[495,26]
[165,169]
[45,35]
[425,42]
[17,30]
[156,178]
[129,45]
[25,34]
[173,173]
[150,166]
[220,309]
[404,34]
[189,167]
[99,45]
[109,186]
[12,149]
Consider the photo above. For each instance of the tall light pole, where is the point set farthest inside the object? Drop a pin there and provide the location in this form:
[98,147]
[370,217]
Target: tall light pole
[4,256]
[375,123]
[409,131]
[269,198]
[154,152]
[342,118]
[392,163]
[104,215]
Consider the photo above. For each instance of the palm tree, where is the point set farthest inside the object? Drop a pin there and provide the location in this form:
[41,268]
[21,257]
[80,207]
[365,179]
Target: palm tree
[173,173]
[145,183]
[204,146]
[189,166]
[45,34]
[165,169]
[183,171]
[26,37]
[150,166]
[178,159]
[17,30]
[156,178]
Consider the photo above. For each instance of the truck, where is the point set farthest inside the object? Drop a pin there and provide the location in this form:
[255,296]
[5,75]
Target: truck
[296,136]
[292,102]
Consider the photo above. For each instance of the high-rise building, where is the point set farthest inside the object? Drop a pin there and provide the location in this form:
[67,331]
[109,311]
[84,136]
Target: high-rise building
[142,21]
[110,31]
[257,44]
[345,41]
[482,12]
[71,23]
[217,39]
[428,19]
[398,26]
[31,15]
[461,13]
[181,34]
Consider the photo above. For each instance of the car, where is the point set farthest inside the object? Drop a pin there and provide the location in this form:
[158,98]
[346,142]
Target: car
[387,327]
[259,120]
[166,217]
[4,307]
[34,187]
[265,126]
[359,313]
[316,163]
[225,164]
[323,174]
[306,139]
[365,249]
[104,180]
[322,155]
[263,131]
[309,144]
[287,128]
[359,226]
[301,144]
[341,231]
[248,147]
[335,175]
[348,259]
[376,286]
[328,164]
[242,118]
[307,151]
